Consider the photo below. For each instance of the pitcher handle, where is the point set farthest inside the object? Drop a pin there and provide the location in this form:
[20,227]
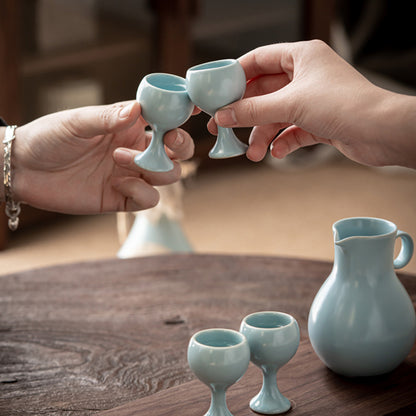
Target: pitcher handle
[406,251]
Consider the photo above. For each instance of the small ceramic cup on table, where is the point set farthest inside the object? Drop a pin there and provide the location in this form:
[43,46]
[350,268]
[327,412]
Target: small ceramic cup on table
[219,358]
[273,338]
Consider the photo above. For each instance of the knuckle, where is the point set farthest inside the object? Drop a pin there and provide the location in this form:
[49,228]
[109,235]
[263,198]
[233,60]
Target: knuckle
[250,113]
[318,44]
[153,199]
[108,114]
[294,114]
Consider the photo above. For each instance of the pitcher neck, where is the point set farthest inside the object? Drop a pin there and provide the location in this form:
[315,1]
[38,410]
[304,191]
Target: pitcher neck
[373,255]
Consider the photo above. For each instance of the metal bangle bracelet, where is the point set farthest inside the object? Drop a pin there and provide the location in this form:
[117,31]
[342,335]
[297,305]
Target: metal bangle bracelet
[12,207]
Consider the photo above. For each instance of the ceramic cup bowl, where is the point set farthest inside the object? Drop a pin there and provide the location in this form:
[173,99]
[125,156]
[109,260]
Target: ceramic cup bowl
[273,338]
[165,105]
[213,85]
[219,358]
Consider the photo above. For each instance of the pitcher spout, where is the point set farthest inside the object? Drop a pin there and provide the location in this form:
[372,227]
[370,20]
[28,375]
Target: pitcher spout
[350,229]
[364,244]
[344,234]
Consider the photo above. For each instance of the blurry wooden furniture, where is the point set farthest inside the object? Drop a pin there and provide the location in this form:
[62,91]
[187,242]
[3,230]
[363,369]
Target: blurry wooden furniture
[89,337]
[317,16]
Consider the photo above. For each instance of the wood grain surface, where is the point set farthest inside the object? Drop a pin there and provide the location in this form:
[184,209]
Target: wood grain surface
[311,388]
[83,338]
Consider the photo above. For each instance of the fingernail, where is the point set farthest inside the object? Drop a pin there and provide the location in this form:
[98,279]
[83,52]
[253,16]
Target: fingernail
[122,156]
[125,111]
[225,117]
[179,140]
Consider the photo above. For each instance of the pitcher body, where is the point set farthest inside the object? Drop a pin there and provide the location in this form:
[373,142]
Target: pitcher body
[362,321]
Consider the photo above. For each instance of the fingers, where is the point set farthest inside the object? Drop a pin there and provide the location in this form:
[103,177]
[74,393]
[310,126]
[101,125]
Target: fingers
[179,144]
[136,184]
[196,111]
[257,87]
[138,194]
[292,139]
[91,121]
[271,96]
[212,126]
[124,158]
[265,84]
[277,107]
[260,139]
[270,59]
[267,99]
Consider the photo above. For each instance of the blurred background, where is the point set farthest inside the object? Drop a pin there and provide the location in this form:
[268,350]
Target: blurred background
[58,54]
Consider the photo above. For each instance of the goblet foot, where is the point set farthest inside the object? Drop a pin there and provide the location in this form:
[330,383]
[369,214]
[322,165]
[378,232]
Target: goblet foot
[270,404]
[227,145]
[149,162]
[154,158]
[218,408]
[270,401]
[218,412]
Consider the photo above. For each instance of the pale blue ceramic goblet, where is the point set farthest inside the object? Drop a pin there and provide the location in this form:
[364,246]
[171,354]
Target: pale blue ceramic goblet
[165,106]
[219,358]
[211,86]
[273,338]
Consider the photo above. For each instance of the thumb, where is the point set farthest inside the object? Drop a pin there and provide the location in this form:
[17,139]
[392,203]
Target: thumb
[90,121]
[256,111]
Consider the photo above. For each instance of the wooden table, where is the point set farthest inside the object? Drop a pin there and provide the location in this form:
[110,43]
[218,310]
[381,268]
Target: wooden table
[110,338]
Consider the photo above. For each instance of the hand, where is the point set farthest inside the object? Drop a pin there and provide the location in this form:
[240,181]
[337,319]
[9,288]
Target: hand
[309,91]
[80,161]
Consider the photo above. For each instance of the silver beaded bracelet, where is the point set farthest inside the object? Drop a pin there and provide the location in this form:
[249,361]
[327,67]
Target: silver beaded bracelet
[12,207]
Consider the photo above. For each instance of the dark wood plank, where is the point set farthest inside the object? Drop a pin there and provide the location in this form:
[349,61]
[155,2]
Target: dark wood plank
[317,17]
[173,39]
[9,60]
[312,389]
[83,338]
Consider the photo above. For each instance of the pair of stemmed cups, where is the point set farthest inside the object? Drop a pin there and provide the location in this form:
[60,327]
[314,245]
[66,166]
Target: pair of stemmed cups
[220,357]
[168,100]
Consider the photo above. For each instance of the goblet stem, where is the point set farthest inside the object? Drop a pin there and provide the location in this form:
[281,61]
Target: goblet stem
[270,400]
[227,145]
[154,158]
[218,405]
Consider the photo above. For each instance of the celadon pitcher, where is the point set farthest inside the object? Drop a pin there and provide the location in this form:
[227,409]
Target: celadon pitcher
[362,321]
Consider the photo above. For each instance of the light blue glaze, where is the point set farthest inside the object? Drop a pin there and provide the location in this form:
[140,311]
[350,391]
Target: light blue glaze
[165,106]
[213,85]
[219,358]
[273,338]
[164,233]
[362,321]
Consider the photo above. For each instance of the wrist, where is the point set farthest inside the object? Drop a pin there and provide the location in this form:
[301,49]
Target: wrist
[12,207]
[2,133]
[19,179]
[398,128]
